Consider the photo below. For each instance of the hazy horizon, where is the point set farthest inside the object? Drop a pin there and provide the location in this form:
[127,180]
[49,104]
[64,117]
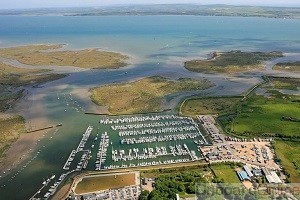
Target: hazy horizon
[35,4]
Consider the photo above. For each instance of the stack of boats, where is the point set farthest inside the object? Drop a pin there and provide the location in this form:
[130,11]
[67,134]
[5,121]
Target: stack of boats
[54,187]
[84,139]
[160,138]
[102,152]
[164,130]
[69,160]
[177,150]
[150,163]
[144,118]
[153,124]
[151,153]
[84,160]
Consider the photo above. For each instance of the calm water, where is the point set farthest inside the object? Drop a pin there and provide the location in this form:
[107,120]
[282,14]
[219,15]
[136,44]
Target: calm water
[159,45]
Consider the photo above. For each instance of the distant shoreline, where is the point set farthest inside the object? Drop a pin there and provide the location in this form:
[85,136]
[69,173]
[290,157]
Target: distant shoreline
[163,9]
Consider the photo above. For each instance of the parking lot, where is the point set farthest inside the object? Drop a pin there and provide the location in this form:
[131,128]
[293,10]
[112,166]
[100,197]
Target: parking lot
[128,192]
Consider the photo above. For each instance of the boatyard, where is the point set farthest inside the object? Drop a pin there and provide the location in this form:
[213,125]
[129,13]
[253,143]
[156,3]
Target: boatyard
[256,151]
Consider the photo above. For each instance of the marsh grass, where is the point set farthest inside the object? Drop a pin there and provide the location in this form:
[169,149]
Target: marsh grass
[290,66]
[144,95]
[10,130]
[52,55]
[231,62]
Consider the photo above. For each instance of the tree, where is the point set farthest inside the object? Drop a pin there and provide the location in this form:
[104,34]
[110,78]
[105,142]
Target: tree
[190,189]
[144,195]
[156,195]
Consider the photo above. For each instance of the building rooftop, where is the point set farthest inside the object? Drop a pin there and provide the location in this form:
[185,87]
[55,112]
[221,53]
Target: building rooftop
[248,170]
[243,176]
[276,177]
[257,172]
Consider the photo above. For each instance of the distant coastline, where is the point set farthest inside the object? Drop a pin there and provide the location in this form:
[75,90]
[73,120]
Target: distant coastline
[165,9]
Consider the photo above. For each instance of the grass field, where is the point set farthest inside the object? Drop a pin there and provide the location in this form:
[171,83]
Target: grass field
[268,115]
[226,173]
[231,62]
[285,83]
[10,130]
[51,55]
[208,106]
[144,95]
[260,116]
[104,182]
[288,153]
[154,173]
[291,67]
[264,115]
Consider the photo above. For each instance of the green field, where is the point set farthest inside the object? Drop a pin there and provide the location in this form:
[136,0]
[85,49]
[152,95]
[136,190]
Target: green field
[285,83]
[273,115]
[105,182]
[225,173]
[291,67]
[231,62]
[288,153]
[144,95]
[154,173]
[209,106]
[261,115]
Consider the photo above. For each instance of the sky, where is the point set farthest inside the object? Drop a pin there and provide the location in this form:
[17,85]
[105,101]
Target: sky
[19,4]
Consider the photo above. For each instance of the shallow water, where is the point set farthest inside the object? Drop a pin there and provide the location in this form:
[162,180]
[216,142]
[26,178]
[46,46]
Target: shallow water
[159,46]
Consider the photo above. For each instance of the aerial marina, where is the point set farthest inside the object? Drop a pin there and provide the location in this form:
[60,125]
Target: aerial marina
[144,140]
[147,101]
[158,139]
[177,140]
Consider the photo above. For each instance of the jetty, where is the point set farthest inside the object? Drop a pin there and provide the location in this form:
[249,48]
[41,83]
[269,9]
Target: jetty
[80,147]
